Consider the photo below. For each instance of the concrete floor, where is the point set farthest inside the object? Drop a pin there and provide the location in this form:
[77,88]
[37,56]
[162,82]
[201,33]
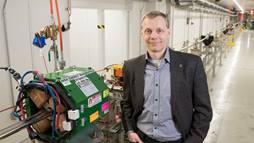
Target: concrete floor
[232,95]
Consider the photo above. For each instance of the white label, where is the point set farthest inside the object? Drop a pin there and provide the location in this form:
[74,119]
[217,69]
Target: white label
[94,100]
[65,81]
[83,122]
[72,74]
[86,86]
[81,108]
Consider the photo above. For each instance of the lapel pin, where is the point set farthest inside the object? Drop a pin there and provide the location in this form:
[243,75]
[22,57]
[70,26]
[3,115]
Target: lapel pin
[180,65]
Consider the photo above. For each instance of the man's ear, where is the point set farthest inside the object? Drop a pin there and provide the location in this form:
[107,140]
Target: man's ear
[140,31]
[168,30]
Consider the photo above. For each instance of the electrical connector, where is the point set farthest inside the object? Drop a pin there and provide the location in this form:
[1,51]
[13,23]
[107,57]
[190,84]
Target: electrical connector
[67,126]
[73,114]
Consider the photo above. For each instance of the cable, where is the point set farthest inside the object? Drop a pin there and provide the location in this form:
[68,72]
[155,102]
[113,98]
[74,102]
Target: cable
[15,74]
[41,78]
[59,26]
[51,8]
[44,61]
[7,109]
[22,78]
[54,110]
[106,68]
[58,107]
[45,64]
[4,68]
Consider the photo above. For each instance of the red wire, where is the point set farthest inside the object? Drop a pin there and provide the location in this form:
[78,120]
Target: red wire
[59,26]
[45,64]
[22,116]
[58,107]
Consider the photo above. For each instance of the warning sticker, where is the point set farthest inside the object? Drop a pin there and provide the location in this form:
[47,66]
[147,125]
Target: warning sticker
[94,100]
[65,81]
[86,86]
[94,116]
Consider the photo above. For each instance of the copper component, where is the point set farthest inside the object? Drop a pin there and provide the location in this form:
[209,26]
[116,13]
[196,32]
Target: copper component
[42,126]
[39,97]
[118,71]
[61,119]
[50,31]
[62,109]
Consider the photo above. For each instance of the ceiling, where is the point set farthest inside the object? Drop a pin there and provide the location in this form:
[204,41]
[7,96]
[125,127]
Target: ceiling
[229,4]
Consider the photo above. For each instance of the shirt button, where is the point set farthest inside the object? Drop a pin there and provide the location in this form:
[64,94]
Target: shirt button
[156,84]
[156,99]
[155,114]
[155,127]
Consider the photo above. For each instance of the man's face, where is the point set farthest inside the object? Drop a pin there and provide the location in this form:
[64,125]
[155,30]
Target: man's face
[155,34]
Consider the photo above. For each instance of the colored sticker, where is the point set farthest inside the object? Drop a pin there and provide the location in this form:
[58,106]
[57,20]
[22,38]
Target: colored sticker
[94,116]
[94,100]
[106,111]
[105,106]
[105,93]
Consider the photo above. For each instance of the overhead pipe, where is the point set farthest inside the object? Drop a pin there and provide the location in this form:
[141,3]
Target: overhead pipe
[215,6]
[191,3]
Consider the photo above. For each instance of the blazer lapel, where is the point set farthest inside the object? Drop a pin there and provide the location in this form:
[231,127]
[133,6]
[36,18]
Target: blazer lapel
[139,80]
[176,70]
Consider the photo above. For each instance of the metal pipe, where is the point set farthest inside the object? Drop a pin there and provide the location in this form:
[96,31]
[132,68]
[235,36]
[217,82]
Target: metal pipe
[14,128]
[7,49]
[199,41]
[189,46]
[196,4]
[215,6]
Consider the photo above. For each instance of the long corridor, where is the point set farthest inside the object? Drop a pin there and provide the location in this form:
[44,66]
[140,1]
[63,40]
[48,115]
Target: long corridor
[232,95]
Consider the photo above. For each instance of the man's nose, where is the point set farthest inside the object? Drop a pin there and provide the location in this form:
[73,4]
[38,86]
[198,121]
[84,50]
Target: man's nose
[154,34]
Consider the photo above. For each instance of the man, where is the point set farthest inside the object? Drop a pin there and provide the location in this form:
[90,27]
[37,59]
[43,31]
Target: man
[166,95]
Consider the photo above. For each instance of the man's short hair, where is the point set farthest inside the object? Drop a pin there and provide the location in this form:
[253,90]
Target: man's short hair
[153,14]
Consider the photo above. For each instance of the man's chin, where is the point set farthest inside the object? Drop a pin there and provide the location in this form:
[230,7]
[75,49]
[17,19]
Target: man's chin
[156,49]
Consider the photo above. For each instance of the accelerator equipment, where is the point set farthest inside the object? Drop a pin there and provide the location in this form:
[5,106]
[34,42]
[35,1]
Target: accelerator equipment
[62,106]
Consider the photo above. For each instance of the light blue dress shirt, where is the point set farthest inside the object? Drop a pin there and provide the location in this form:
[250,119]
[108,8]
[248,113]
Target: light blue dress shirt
[156,118]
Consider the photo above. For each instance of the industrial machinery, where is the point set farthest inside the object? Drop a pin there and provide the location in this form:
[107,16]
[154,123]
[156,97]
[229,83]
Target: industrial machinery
[63,106]
[111,125]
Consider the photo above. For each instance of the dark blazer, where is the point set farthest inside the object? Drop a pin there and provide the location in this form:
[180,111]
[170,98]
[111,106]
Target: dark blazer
[190,101]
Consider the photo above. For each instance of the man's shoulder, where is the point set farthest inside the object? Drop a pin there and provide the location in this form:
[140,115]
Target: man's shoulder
[186,56]
[136,60]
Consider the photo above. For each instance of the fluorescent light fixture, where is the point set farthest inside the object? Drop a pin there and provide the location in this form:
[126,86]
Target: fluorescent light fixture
[238,5]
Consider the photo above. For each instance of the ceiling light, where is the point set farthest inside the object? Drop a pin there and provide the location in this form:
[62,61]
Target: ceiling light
[238,5]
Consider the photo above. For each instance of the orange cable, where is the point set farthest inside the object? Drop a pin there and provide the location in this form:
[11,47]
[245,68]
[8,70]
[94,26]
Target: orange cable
[51,7]
[45,64]
[59,26]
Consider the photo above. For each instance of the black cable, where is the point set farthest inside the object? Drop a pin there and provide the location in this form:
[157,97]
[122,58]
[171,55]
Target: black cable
[2,110]
[15,74]
[4,68]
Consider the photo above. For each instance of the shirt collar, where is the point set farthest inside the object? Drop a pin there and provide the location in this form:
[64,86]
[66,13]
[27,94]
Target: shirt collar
[166,56]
